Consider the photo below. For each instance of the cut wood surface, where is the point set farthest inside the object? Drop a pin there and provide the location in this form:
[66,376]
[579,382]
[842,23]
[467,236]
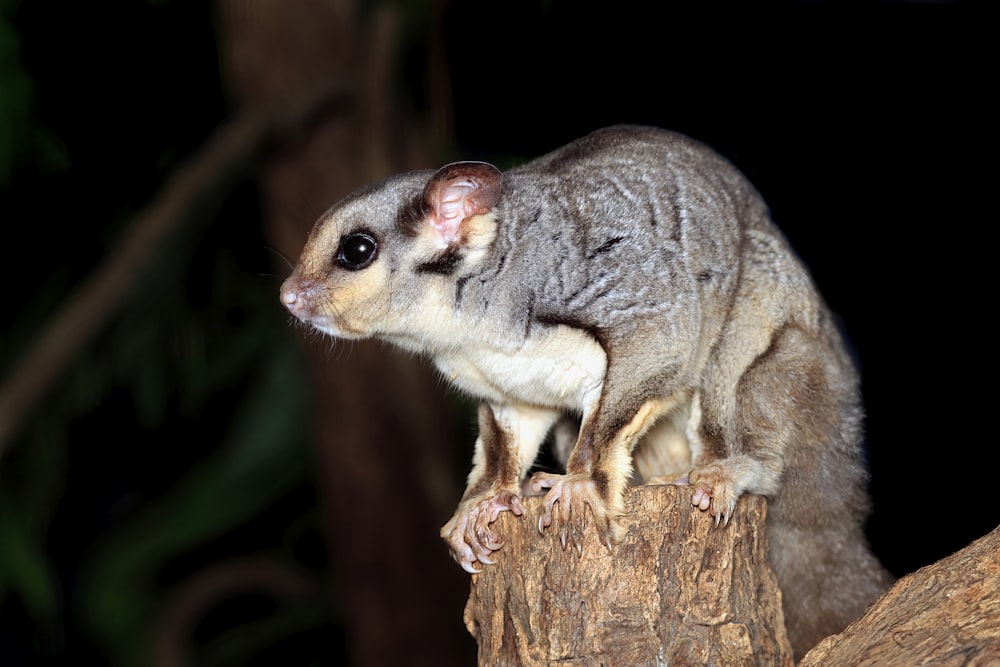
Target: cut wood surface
[944,614]
[678,590]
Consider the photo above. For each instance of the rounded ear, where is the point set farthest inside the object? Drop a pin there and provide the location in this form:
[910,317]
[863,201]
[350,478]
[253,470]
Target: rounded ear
[459,191]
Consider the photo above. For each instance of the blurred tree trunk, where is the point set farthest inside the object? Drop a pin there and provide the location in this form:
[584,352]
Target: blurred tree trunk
[383,427]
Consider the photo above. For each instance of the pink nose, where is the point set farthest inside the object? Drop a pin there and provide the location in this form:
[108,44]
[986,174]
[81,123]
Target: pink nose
[294,297]
[288,296]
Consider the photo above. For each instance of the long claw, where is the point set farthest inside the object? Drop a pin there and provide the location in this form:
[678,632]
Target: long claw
[571,499]
[469,533]
[492,543]
[714,492]
[544,521]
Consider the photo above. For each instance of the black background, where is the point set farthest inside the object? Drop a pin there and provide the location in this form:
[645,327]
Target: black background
[869,129]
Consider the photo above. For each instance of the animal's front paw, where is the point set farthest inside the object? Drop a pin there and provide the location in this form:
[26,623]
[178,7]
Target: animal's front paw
[715,491]
[569,500]
[470,534]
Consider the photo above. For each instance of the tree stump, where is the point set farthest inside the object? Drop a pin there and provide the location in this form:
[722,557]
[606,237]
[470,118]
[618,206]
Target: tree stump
[678,590]
[947,613]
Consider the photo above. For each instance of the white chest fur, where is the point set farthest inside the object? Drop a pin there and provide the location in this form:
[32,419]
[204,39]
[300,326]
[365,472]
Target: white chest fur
[562,368]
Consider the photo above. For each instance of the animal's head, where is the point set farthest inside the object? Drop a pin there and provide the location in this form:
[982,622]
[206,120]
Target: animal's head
[382,262]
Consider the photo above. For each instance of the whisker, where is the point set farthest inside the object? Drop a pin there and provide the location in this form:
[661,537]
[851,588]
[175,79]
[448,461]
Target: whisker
[289,263]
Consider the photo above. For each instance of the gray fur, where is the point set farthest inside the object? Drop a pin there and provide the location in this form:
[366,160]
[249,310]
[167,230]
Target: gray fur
[659,251]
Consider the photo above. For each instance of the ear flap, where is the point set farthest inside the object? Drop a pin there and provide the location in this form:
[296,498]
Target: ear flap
[459,191]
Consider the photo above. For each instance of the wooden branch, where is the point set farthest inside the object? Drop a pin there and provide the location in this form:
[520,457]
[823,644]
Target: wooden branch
[947,613]
[206,178]
[678,590]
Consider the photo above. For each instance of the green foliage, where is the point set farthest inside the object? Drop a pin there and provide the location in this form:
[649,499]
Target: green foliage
[255,465]
[182,424]
[25,508]
[21,136]
[224,379]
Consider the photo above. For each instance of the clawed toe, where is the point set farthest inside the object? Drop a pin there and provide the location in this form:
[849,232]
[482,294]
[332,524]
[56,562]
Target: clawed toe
[713,493]
[469,533]
[568,503]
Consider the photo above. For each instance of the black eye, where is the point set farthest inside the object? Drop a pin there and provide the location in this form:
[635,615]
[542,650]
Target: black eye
[357,250]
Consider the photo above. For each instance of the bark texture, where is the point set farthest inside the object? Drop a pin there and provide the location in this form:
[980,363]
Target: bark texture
[678,590]
[944,614]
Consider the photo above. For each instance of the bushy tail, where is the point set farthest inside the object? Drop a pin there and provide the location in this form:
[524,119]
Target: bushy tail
[828,578]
